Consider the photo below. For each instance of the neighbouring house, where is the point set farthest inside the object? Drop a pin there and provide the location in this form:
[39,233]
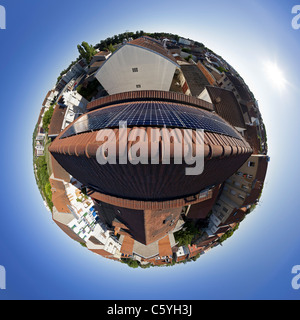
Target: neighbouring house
[141,64]
[196,80]
[39,149]
[75,214]
[49,99]
[75,71]
[241,190]
[100,56]
[226,106]
[57,120]
[186,42]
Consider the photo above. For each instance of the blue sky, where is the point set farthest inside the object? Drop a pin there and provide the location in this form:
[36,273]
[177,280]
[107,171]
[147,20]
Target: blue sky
[41,39]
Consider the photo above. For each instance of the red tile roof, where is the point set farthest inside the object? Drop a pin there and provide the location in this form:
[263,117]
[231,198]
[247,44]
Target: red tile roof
[68,231]
[149,95]
[46,98]
[59,197]
[127,245]
[164,247]
[153,45]
[227,106]
[57,120]
[195,78]
[206,73]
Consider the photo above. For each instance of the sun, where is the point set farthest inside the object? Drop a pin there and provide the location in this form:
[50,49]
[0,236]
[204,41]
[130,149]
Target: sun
[275,75]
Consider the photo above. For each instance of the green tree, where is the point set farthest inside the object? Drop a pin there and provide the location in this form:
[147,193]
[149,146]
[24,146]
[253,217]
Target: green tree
[86,51]
[48,192]
[47,118]
[131,263]
[228,234]
[111,48]
[185,236]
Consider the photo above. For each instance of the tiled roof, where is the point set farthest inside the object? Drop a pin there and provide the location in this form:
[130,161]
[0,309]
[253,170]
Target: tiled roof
[226,106]
[194,250]
[97,64]
[57,120]
[127,245]
[102,253]
[207,241]
[59,197]
[194,77]
[206,73]
[242,91]
[236,216]
[46,98]
[164,247]
[102,53]
[68,231]
[153,45]
[149,95]
[40,115]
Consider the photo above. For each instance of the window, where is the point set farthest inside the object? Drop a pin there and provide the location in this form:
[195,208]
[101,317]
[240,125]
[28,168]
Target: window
[251,164]
[135,70]
[138,86]
[225,209]
[241,197]
[233,192]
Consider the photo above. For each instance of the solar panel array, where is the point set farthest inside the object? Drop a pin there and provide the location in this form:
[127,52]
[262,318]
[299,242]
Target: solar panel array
[158,114]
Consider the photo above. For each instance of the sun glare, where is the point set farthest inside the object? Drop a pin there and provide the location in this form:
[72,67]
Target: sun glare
[275,75]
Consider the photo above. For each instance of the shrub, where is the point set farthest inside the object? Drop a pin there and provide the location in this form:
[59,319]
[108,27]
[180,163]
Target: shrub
[47,118]
[185,236]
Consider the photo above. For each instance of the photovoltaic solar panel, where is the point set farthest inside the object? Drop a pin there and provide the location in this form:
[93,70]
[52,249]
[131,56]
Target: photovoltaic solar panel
[151,114]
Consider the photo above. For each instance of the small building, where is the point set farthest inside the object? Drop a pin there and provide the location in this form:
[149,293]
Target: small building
[186,42]
[100,56]
[49,99]
[182,253]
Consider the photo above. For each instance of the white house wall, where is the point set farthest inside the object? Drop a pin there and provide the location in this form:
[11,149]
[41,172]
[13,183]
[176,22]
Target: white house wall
[155,72]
